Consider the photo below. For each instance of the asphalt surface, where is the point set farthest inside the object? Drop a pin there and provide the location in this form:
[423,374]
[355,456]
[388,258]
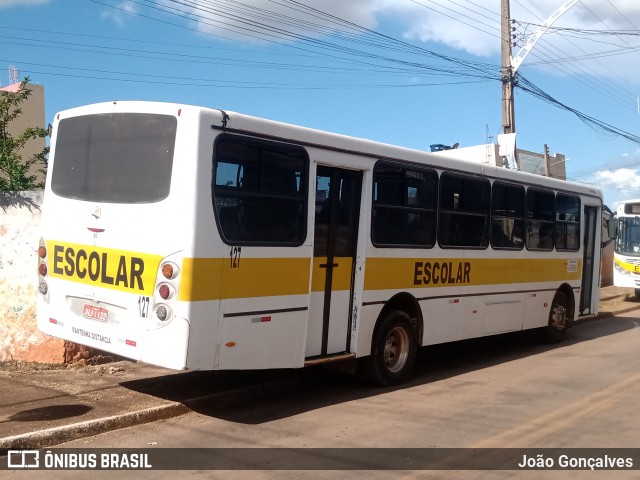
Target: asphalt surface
[45,405]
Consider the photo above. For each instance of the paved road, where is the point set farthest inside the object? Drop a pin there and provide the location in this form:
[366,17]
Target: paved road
[501,392]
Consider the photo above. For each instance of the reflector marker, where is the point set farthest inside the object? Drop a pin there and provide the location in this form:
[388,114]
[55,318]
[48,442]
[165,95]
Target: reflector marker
[263,319]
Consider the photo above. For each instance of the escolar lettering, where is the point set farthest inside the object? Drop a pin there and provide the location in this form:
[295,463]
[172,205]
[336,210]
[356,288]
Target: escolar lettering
[71,263]
[441,273]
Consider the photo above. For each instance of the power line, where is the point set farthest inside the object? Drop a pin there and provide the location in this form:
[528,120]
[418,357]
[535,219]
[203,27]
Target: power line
[317,34]
[585,75]
[278,35]
[586,31]
[218,83]
[582,74]
[593,122]
[457,19]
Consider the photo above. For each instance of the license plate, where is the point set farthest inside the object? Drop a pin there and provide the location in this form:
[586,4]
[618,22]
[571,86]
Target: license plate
[95,313]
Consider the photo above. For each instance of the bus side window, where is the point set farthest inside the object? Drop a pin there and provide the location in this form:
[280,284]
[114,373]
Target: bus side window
[259,191]
[404,205]
[567,227]
[540,208]
[507,216]
[464,211]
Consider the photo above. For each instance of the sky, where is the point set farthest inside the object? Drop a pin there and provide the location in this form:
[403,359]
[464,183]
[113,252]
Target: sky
[406,72]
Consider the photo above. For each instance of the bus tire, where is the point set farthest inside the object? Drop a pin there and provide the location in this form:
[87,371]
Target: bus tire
[393,350]
[556,329]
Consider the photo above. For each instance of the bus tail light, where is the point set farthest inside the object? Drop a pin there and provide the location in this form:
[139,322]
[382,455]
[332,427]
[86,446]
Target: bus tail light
[43,268]
[165,291]
[170,270]
[167,284]
[163,312]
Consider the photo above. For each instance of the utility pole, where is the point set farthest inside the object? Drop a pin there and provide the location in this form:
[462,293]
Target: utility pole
[508,107]
[511,64]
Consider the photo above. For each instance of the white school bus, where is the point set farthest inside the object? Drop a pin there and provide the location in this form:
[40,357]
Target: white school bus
[626,253]
[195,238]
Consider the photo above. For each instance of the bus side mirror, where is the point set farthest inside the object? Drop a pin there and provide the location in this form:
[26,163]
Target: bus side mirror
[609,222]
[612,228]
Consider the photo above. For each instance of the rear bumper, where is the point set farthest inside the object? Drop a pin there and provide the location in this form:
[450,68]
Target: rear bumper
[165,346]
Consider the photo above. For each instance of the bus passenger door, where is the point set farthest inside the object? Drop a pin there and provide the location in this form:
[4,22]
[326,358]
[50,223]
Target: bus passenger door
[588,270]
[337,208]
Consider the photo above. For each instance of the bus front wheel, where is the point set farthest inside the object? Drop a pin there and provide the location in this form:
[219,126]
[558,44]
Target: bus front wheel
[558,318]
[393,350]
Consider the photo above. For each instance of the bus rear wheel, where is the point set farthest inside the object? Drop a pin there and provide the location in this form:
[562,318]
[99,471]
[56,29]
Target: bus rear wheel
[558,319]
[393,351]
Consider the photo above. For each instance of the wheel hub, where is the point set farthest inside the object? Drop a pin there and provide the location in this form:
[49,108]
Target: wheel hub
[559,317]
[396,349]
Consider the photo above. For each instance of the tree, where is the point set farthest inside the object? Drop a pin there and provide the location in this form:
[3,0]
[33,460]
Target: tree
[14,171]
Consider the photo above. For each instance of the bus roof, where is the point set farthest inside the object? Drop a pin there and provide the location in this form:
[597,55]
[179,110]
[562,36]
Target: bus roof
[235,122]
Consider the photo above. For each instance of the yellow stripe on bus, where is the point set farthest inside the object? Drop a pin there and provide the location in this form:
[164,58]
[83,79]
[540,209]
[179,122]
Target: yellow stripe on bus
[218,278]
[405,273]
[341,276]
[222,278]
[131,272]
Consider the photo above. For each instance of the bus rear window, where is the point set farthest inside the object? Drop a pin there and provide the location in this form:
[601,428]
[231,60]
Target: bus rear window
[114,157]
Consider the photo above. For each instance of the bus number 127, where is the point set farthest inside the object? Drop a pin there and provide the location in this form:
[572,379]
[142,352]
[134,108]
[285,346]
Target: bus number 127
[143,305]
[234,260]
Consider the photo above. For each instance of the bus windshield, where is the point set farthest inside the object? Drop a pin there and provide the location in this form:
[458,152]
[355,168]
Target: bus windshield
[114,158]
[628,237]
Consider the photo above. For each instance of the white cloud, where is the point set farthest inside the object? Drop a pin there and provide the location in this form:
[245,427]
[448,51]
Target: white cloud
[618,14]
[620,179]
[121,14]
[473,27]
[15,3]
[265,20]
[417,22]
[470,26]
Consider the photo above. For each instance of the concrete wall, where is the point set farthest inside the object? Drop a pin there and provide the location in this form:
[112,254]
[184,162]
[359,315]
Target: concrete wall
[19,236]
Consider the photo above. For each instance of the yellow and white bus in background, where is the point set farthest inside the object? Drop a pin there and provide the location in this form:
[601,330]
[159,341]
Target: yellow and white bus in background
[196,238]
[626,253]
